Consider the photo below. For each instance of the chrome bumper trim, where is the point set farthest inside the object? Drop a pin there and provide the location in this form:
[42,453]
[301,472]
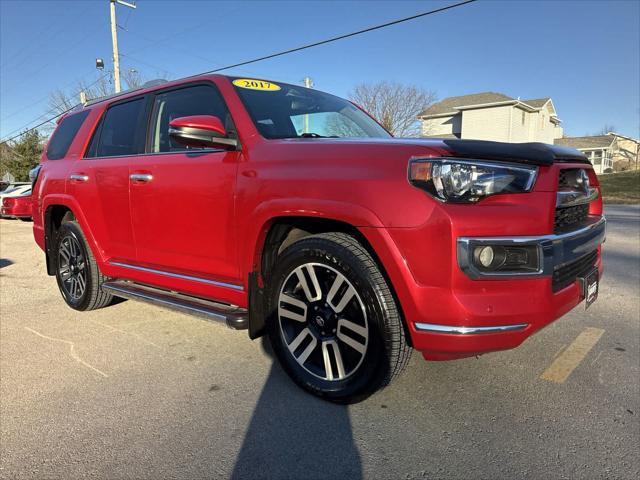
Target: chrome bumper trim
[553,250]
[431,327]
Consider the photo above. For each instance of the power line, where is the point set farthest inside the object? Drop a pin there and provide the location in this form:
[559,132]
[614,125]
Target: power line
[292,50]
[22,109]
[47,113]
[340,37]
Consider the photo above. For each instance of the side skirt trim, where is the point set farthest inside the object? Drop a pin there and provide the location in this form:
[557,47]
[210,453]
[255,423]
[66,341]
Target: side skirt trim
[232,286]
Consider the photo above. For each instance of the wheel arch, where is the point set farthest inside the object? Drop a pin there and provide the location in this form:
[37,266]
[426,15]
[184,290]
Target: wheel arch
[55,210]
[276,235]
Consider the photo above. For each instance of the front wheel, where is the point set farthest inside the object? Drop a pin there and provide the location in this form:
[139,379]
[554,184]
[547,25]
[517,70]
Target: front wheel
[333,322]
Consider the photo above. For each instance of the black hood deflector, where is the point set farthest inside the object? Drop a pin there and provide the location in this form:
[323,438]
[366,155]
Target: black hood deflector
[534,153]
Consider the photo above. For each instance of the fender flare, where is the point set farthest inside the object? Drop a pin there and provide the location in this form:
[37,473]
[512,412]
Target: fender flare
[264,217]
[268,212]
[69,202]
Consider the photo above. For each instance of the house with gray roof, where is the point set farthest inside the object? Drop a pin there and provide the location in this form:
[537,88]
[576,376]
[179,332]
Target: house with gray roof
[606,152]
[492,116]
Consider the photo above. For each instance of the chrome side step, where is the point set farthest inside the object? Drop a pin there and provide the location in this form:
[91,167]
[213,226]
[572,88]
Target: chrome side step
[234,316]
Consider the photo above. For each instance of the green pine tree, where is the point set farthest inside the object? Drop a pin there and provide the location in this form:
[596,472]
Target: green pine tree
[22,155]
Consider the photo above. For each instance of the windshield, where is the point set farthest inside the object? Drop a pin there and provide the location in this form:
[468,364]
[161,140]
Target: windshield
[289,111]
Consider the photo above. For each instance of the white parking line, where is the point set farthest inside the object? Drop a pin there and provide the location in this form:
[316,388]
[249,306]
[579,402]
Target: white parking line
[72,351]
[567,362]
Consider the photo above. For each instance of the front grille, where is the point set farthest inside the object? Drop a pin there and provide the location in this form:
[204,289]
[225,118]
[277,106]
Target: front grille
[570,217]
[568,179]
[566,274]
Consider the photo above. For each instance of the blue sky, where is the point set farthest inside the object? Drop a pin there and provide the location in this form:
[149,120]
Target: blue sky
[585,55]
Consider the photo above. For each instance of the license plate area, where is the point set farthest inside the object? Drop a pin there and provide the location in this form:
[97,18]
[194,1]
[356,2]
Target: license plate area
[590,285]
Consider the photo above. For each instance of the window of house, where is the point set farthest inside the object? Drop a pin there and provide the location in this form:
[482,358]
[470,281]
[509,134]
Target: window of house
[597,157]
[120,132]
[185,102]
[64,135]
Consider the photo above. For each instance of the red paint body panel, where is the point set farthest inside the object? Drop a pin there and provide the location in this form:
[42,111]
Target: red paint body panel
[205,215]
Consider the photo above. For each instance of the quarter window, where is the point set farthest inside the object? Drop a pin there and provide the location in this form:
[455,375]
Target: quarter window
[64,135]
[120,132]
[185,102]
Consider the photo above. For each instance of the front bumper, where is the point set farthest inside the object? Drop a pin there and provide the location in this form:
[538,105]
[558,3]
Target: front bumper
[553,250]
[452,313]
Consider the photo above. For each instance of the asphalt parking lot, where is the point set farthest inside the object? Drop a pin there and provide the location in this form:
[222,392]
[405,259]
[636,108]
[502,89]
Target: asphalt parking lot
[133,391]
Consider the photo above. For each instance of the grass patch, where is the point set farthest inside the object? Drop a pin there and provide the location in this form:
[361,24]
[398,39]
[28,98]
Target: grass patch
[621,187]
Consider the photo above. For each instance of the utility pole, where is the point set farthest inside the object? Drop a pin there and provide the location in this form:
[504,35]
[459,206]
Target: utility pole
[114,41]
[308,82]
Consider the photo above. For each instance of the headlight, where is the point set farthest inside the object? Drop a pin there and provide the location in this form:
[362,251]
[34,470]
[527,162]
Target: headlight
[467,181]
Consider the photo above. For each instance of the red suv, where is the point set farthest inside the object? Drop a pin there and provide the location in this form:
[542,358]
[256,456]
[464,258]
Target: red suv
[287,211]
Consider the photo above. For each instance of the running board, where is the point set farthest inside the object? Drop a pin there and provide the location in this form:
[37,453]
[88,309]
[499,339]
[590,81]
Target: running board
[235,317]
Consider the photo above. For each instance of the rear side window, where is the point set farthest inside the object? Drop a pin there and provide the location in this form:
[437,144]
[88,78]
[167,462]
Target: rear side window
[120,132]
[64,135]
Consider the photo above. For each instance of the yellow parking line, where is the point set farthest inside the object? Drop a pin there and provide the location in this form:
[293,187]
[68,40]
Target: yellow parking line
[566,363]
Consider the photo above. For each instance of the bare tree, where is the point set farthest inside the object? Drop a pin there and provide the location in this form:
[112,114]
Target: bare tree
[394,105]
[60,101]
[132,78]
[607,128]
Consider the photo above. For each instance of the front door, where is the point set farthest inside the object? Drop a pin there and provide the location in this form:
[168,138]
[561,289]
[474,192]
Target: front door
[182,199]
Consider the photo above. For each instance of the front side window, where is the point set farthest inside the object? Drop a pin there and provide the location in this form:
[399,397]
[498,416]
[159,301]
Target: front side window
[64,135]
[292,111]
[185,102]
[120,131]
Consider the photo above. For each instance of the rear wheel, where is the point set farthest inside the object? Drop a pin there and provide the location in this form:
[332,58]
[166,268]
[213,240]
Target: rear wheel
[334,324]
[77,273]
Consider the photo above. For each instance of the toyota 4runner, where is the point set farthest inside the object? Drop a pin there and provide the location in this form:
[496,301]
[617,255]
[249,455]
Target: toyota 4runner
[285,211]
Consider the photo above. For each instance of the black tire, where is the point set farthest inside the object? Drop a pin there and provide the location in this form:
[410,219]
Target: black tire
[25,219]
[386,351]
[92,297]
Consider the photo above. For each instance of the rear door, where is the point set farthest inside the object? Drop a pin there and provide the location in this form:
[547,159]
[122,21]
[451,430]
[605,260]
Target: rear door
[182,199]
[100,181]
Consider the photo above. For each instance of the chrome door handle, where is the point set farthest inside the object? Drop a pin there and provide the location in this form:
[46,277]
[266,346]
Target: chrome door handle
[141,177]
[78,177]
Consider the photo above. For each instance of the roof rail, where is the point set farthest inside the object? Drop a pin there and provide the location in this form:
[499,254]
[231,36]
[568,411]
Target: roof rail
[93,101]
[150,83]
[155,82]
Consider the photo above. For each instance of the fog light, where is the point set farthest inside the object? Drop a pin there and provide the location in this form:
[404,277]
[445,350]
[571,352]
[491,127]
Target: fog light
[485,256]
[506,259]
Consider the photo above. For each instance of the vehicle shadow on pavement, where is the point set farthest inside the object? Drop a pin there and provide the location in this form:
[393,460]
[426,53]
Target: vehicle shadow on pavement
[294,435]
[5,262]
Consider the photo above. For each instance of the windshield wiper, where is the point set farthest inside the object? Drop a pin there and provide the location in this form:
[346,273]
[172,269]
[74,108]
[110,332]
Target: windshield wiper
[315,135]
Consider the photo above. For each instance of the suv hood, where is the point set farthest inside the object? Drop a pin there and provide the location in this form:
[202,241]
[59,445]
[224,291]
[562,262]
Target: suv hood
[535,153]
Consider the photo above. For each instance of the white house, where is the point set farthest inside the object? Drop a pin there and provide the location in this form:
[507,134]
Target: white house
[599,149]
[492,116]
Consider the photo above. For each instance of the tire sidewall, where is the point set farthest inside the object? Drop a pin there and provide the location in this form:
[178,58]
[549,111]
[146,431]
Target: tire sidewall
[373,369]
[73,230]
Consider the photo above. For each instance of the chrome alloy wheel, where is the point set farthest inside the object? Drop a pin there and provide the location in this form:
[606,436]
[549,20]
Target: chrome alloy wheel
[323,321]
[72,267]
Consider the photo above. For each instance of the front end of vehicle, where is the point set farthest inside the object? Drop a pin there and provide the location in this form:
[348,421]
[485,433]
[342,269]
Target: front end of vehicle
[513,244]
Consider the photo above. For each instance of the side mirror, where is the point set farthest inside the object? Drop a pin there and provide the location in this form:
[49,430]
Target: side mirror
[201,131]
